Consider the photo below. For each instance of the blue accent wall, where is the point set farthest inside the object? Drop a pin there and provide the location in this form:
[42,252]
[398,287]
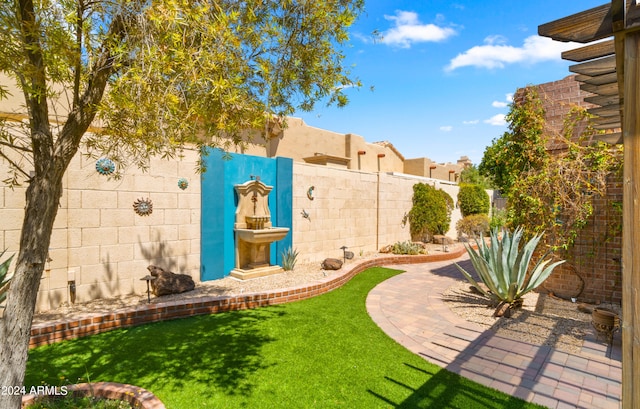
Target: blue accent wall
[283,214]
[219,204]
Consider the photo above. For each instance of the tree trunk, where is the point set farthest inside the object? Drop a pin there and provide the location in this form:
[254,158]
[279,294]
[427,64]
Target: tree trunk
[42,197]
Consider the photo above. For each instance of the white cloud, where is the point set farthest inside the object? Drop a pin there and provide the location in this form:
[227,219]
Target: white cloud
[496,53]
[473,122]
[447,128]
[496,120]
[508,98]
[408,30]
[496,39]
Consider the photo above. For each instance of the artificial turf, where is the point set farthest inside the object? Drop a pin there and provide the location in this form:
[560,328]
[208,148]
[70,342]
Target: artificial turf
[323,352]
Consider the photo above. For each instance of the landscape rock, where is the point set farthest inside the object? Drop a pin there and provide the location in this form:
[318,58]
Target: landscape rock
[167,282]
[438,239]
[332,264]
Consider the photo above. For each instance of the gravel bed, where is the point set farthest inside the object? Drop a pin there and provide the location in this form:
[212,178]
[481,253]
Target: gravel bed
[542,320]
[304,273]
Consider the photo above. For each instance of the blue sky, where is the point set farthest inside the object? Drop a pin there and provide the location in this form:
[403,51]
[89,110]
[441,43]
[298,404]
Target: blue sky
[444,72]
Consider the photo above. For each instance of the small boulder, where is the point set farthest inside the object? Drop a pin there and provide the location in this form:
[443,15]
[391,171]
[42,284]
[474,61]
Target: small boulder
[441,239]
[167,282]
[331,264]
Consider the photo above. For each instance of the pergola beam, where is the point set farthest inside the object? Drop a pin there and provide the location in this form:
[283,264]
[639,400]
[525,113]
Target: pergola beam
[589,52]
[598,66]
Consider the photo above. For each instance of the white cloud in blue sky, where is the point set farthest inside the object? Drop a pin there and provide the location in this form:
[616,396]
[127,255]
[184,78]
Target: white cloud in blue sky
[442,71]
[496,120]
[409,30]
[503,104]
[495,53]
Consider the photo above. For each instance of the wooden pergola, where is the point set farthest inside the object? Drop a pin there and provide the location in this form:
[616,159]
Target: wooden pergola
[608,67]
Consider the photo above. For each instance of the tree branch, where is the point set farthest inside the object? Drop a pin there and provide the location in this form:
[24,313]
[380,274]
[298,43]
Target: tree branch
[35,86]
[84,112]
[14,165]
[16,147]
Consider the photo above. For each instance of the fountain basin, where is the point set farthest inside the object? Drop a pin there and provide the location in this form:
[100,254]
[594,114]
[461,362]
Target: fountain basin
[268,235]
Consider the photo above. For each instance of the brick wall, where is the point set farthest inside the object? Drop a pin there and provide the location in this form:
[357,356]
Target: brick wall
[593,271]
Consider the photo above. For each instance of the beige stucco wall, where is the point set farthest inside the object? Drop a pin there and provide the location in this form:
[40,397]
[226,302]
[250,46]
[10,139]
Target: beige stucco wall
[448,172]
[100,242]
[298,141]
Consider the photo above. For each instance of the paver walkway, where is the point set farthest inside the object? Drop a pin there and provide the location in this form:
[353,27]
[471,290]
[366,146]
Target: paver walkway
[409,308]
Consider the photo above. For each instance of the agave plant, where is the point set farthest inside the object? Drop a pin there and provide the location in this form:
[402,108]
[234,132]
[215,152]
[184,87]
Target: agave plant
[504,267]
[289,259]
[4,280]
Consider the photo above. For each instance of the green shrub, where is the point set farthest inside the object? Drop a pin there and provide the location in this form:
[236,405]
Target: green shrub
[289,259]
[504,267]
[475,225]
[4,279]
[431,212]
[407,247]
[498,218]
[473,199]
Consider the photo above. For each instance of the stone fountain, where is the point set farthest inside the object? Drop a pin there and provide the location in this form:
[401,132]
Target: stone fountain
[254,232]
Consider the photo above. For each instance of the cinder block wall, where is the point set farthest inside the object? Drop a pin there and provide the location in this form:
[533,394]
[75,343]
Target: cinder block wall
[361,210]
[341,211]
[99,241]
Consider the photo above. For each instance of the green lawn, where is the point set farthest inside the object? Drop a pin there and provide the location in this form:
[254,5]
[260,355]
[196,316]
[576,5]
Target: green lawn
[323,352]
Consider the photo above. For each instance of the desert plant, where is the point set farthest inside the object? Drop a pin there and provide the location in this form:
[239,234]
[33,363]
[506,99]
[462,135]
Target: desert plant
[4,279]
[289,259]
[473,199]
[407,247]
[504,267]
[475,225]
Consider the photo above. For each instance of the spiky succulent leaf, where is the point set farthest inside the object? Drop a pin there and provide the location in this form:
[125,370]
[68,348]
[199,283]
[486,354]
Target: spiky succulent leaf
[472,281]
[482,268]
[541,272]
[503,266]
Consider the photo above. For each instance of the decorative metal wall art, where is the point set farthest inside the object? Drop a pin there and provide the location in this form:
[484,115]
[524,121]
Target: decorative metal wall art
[105,166]
[143,207]
[183,183]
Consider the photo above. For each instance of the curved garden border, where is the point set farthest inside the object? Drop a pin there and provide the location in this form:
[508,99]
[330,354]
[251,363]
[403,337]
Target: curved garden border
[137,397]
[91,324]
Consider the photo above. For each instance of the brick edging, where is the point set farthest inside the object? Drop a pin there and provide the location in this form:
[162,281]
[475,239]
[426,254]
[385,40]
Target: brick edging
[51,332]
[137,397]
